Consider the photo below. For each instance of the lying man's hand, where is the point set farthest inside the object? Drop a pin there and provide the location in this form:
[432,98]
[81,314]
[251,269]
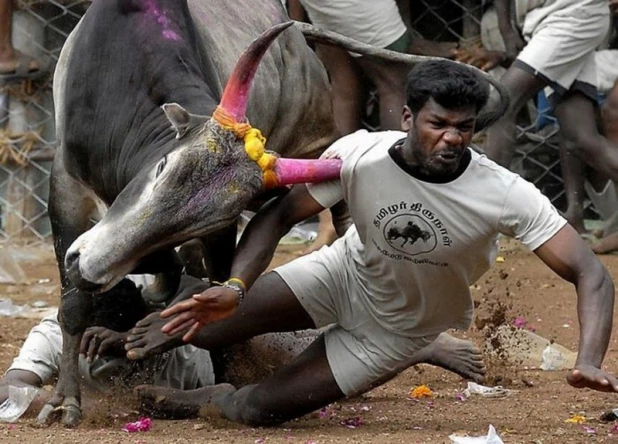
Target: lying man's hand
[591,377]
[214,304]
[100,341]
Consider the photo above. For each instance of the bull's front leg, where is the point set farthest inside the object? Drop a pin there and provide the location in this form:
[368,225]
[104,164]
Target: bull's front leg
[74,316]
[70,211]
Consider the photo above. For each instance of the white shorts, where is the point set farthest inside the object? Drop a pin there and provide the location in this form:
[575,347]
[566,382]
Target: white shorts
[185,367]
[360,351]
[562,39]
[607,68]
[376,22]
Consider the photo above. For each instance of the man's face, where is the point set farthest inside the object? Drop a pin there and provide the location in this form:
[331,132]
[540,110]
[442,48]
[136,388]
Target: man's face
[438,137]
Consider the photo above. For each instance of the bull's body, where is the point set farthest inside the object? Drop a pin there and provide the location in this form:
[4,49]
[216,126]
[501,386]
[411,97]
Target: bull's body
[126,59]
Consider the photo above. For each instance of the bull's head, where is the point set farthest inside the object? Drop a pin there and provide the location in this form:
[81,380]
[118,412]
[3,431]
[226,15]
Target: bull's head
[199,187]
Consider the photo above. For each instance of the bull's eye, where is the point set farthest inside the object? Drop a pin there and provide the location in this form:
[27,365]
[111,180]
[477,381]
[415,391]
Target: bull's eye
[161,166]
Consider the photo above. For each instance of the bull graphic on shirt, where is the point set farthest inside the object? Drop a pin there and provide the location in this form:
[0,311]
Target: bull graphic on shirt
[410,233]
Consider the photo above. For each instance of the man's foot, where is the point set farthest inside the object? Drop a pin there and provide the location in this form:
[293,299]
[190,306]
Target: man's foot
[147,339]
[163,402]
[456,355]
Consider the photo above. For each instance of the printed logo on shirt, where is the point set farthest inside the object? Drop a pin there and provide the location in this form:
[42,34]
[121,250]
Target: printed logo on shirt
[410,234]
[410,229]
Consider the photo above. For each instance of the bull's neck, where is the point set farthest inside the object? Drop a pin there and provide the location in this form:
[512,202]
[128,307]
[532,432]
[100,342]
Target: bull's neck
[174,71]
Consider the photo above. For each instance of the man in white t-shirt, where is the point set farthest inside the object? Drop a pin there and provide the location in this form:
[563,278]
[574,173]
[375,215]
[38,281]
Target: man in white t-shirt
[427,212]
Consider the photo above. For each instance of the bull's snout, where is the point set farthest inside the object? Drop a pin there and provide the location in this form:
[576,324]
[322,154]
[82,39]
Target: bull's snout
[71,263]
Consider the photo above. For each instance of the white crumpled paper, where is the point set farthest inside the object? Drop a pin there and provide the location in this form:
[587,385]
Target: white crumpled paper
[487,392]
[17,403]
[491,438]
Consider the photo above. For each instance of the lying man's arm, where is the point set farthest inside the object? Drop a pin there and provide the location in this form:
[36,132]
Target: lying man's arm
[254,254]
[572,259]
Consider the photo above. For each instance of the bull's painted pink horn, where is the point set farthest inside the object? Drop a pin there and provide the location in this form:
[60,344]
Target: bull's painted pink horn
[292,171]
[236,93]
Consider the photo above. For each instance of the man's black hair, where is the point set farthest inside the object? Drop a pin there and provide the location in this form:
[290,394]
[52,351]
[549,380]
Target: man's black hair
[451,85]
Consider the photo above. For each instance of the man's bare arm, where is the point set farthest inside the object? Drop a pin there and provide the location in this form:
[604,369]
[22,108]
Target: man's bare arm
[259,240]
[572,259]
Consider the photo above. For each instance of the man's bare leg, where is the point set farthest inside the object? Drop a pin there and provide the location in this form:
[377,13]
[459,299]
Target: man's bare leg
[574,174]
[609,119]
[305,385]
[389,80]
[576,115]
[291,392]
[521,86]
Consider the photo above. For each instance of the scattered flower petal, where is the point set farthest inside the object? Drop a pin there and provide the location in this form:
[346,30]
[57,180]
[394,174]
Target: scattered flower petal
[422,391]
[365,408]
[352,423]
[500,259]
[141,425]
[614,430]
[590,430]
[519,322]
[576,419]
[260,441]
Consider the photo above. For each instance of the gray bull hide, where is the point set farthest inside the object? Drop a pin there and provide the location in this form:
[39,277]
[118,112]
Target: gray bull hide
[152,174]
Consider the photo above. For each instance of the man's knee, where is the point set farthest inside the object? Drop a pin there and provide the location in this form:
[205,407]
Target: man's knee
[579,142]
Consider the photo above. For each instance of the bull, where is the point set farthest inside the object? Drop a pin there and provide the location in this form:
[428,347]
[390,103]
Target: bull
[155,147]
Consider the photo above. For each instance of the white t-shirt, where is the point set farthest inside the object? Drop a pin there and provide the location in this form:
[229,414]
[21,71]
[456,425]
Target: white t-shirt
[415,246]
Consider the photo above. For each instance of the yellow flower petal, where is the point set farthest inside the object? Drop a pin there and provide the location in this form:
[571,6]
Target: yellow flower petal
[422,391]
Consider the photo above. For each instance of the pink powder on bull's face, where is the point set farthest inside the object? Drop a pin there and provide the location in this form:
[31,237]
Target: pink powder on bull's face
[157,14]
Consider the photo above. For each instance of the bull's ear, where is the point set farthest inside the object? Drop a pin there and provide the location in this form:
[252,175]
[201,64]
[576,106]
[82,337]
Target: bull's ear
[181,119]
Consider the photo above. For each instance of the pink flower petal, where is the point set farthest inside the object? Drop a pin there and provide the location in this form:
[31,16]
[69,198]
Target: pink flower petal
[141,425]
[519,322]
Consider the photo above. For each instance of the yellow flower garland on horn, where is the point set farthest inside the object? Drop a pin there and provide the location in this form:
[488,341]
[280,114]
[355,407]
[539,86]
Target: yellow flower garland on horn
[254,145]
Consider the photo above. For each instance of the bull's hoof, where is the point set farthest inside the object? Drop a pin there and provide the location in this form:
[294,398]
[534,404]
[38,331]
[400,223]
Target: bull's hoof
[69,412]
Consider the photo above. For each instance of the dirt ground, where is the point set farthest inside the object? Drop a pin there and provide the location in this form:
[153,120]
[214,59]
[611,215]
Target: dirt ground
[519,286]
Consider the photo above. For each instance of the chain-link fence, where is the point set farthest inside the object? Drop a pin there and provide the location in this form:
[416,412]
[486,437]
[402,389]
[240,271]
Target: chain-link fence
[27,136]
[27,139]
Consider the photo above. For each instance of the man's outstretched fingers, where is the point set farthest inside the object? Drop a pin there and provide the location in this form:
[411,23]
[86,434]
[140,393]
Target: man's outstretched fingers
[178,308]
[178,328]
[191,333]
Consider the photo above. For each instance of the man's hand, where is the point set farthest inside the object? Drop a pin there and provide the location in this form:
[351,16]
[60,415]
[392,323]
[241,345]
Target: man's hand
[513,43]
[480,57]
[591,377]
[212,305]
[100,341]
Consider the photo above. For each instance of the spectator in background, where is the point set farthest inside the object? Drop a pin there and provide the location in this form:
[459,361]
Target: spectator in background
[560,54]
[14,65]
[377,23]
